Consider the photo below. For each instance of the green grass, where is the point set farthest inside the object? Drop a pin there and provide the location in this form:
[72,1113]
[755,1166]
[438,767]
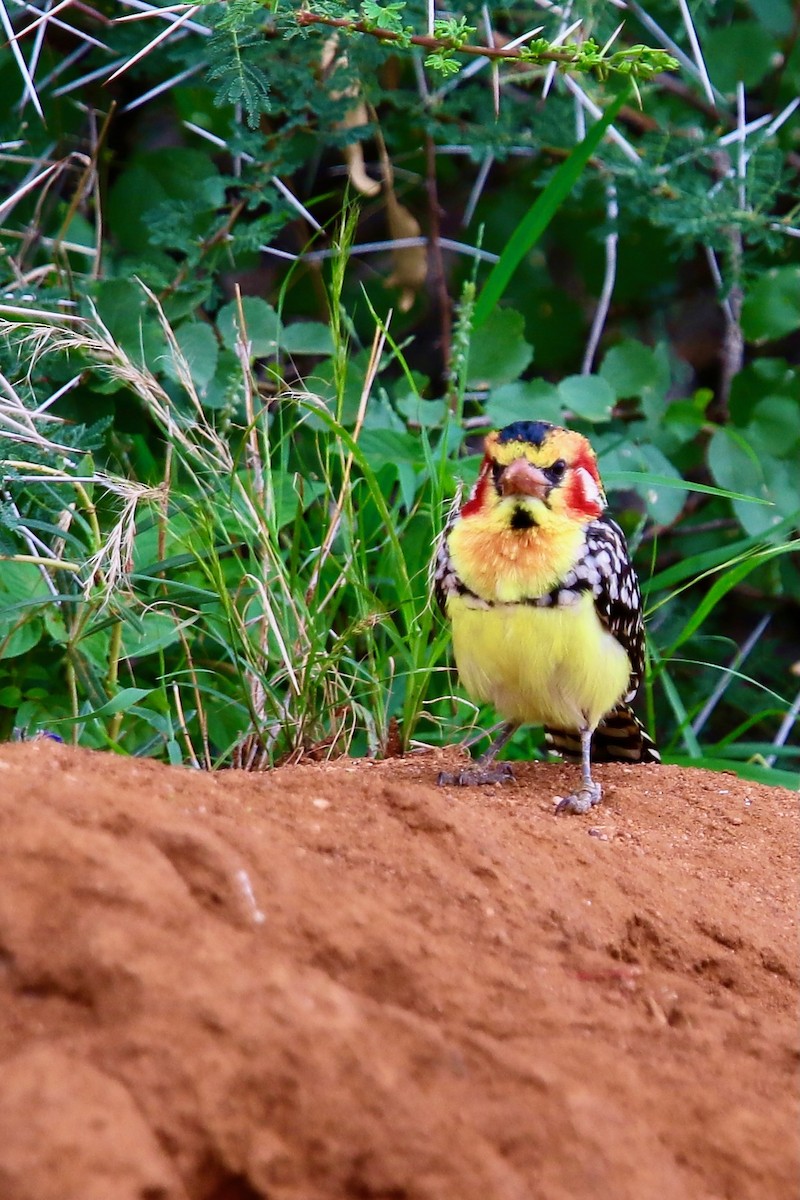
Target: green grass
[267,598]
[217,516]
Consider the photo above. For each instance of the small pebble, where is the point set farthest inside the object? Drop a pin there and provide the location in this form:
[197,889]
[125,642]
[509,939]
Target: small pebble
[597,832]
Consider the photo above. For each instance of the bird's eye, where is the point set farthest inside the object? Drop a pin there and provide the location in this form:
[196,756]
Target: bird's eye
[556,473]
[497,472]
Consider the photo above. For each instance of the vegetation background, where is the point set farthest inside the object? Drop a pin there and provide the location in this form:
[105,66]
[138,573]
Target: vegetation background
[269,272]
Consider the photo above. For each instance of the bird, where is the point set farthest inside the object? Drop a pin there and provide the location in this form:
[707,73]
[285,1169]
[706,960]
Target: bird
[544,605]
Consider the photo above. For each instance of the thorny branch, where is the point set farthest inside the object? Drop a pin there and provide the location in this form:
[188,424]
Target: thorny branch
[637,60]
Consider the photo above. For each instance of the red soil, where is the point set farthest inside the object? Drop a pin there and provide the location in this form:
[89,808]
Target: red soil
[340,981]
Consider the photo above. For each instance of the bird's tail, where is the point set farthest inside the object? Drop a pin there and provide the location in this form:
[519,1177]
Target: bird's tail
[620,737]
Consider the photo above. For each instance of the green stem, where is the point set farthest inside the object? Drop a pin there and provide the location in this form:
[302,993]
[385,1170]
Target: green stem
[519,54]
[112,679]
[91,513]
[72,688]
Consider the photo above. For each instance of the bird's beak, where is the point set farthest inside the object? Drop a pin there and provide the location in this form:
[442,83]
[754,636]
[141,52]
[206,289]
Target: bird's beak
[521,478]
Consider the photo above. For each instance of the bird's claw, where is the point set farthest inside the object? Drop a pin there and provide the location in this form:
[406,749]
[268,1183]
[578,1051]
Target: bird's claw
[476,776]
[582,801]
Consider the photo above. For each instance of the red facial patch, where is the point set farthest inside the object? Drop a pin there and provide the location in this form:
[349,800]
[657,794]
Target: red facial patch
[478,498]
[585,458]
[584,495]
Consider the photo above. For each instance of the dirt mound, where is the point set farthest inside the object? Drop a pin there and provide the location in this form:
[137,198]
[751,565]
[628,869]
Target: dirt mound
[340,981]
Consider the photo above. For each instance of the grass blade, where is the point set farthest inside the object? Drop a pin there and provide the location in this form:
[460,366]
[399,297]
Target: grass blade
[682,485]
[540,214]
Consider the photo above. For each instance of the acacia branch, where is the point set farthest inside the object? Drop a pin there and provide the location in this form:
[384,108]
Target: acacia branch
[304,17]
[523,54]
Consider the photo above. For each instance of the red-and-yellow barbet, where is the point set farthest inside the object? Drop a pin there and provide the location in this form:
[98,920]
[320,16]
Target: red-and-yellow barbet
[544,605]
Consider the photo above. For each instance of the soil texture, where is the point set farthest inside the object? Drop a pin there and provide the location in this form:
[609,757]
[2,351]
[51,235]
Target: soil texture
[340,981]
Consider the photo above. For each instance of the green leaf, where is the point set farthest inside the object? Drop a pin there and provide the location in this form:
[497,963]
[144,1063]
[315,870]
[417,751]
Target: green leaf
[177,173]
[122,702]
[740,53]
[734,465]
[381,415]
[55,626]
[20,636]
[262,326]
[383,446]
[498,352]
[588,396]
[151,632]
[200,349]
[307,337]
[541,213]
[135,193]
[124,310]
[654,478]
[684,420]
[783,487]
[226,388]
[428,414]
[239,82]
[187,174]
[772,306]
[775,427]
[534,400]
[22,581]
[288,498]
[685,485]
[343,402]
[631,368]
[174,753]
[775,15]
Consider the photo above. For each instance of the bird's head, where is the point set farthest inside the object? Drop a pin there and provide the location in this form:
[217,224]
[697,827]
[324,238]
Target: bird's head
[535,474]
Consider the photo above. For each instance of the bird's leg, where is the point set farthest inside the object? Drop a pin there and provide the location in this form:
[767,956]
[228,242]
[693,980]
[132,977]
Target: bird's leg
[588,794]
[483,771]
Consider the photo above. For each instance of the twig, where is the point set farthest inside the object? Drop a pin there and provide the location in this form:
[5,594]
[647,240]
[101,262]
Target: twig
[304,17]
[198,699]
[612,134]
[187,741]
[487,22]
[609,278]
[248,158]
[477,188]
[34,545]
[165,33]
[379,247]
[732,357]
[785,729]
[696,51]
[647,21]
[564,31]
[165,85]
[501,54]
[436,261]
[27,79]
[723,683]
[166,13]
[480,63]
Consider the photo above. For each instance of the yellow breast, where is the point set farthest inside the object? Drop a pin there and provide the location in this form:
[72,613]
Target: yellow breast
[539,666]
[498,562]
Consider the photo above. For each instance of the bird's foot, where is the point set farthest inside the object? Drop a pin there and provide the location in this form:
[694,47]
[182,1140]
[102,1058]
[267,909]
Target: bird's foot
[476,776]
[582,801]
